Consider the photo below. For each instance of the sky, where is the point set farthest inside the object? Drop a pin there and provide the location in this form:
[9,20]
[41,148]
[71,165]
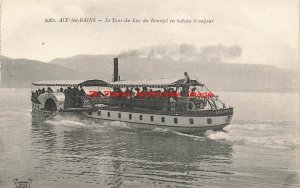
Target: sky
[266,30]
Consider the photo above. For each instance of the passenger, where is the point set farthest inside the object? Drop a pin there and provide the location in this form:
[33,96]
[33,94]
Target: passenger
[145,89]
[176,93]
[32,96]
[137,92]
[150,94]
[186,78]
[193,92]
[131,92]
[49,90]
[120,93]
[127,92]
[186,85]
[74,96]
[100,94]
[75,91]
[43,90]
[158,92]
[61,89]
[144,92]
[80,97]
[81,92]
[164,94]
[116,92]
[171,92]
[116,89]
[154,94]
[39,91]
[68,91]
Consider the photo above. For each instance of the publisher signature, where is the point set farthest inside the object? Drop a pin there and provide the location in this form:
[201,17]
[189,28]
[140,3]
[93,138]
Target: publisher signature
[22,183]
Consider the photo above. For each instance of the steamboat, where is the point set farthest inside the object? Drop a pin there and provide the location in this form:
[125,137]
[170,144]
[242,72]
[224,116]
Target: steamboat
[183,105]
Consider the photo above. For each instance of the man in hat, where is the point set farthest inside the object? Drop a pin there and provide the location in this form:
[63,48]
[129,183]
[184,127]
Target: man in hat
[186,85]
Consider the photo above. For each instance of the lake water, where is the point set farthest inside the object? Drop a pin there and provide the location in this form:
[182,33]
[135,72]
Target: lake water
[259,149]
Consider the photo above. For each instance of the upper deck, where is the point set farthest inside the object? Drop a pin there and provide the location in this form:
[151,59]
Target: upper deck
[166,95]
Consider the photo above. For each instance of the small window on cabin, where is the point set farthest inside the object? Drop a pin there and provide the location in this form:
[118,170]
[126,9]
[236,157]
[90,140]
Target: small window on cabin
[151,118]
[209,120]
[99,113]
[175,120]
[191,120]
[90,113]
[162,119]
[119,115]
[141,117]
[108,114]
[130,116]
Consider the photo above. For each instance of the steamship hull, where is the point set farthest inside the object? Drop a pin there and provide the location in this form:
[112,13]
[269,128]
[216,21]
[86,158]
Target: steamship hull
[184,122]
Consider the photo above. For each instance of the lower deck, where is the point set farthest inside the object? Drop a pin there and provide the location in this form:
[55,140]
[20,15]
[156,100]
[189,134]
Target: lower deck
[159,119]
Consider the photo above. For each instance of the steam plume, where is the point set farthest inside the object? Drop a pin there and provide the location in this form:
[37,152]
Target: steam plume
[186,52]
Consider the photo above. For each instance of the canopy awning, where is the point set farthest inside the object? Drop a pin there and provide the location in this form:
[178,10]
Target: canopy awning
[160,83]
[65,83]
[94,83]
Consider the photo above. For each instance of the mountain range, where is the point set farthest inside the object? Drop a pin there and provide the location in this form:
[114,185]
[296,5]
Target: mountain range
[220,76]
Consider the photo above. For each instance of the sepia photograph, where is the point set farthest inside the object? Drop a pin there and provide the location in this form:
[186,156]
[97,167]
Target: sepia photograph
[166,94]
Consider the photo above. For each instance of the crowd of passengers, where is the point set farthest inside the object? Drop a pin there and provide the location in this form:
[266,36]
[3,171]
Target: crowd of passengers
[70,91]
[136,93]
[131,93]
[146,93]
[128,93]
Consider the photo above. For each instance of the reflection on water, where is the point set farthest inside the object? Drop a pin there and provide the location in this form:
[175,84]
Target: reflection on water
[259,149]
[112,156]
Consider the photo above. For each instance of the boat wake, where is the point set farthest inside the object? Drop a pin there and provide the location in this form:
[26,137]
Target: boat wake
[117,124]
[162,130]
[57,120]
[194,137]
[166,130]
[270,135]
[260,134]
[224,136]
[77,122]
[72,121]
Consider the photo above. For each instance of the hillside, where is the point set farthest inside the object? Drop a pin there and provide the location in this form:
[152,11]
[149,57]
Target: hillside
[19,73]
[218,76]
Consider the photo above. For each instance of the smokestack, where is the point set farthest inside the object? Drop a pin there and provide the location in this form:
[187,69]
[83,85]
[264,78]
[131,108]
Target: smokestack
[116,70]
